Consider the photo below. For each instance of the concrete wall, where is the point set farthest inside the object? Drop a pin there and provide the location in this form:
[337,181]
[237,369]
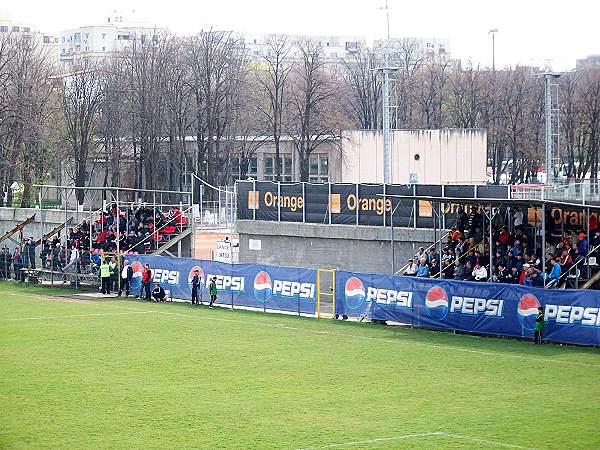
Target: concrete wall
[11,217]
[444,156]
[357,248]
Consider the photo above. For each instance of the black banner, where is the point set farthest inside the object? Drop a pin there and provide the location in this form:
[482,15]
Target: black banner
[352,204]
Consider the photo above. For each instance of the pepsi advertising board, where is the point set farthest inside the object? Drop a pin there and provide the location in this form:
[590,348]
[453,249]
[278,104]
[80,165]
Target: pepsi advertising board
[252,285]
[486,308]
[571,316]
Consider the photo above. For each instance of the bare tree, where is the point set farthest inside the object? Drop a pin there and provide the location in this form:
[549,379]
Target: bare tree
[82,97]
[215,59]
[274,86]
[312,115]
[27,107]
[364,90]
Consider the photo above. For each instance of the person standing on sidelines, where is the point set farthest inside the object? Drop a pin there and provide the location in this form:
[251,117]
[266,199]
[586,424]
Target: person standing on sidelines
[539,326]
[195,287]
[105,277]
[212,290]
[114,275]
[146,280]
[126,277]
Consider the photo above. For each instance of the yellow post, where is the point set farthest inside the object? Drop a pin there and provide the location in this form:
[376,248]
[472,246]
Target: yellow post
[318,293]
[333,291]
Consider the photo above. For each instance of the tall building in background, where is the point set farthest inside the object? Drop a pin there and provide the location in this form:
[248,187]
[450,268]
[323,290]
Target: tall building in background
[24,31]
[410,51]
[100,41]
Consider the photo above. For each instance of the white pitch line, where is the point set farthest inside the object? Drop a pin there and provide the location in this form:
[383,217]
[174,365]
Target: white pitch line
[388,340]
[372,441]
[419,435]
[485,441]
[70,316]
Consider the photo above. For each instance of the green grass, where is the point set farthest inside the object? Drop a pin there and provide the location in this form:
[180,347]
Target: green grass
[129,374]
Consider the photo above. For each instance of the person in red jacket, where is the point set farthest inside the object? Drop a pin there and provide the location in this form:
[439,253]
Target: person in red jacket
[145,292]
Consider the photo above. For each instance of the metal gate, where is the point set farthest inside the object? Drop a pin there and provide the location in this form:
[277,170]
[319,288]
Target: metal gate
[325,293]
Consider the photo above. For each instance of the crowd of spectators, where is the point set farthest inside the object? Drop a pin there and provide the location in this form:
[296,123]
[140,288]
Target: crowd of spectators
[516,259]
[139,229]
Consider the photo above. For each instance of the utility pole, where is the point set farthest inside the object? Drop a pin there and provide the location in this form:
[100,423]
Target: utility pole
[493,33]
[551,112]
[386,71]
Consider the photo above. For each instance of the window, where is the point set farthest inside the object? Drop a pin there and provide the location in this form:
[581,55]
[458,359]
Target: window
[77,37]
[26,29]
[16,29]
[63,39]
[46,39]
[103,49]
[287,167]
[235,172]
[318,169]
[3,29]
[103,35]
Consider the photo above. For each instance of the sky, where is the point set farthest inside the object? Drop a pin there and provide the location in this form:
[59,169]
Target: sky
[530,31]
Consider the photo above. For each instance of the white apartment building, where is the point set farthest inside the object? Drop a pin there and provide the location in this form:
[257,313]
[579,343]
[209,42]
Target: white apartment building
[416,49]
[23,30]
[99,41]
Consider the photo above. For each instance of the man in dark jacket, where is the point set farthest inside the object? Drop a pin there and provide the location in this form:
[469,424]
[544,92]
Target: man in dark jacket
[195,287]
[159,293]
[30,249]
[461,219]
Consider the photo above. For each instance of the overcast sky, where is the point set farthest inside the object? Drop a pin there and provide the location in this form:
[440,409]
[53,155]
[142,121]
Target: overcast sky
[530,31]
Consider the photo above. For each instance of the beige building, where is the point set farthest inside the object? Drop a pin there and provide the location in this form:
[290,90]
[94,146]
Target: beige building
[418,156]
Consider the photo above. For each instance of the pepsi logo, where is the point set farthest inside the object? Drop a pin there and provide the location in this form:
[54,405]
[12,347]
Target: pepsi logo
[263,288]
[355,293]
[136,280]
[200,275]
[436,303]
[527,310]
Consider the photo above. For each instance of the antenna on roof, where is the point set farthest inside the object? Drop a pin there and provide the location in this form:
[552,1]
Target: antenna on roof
[387,8]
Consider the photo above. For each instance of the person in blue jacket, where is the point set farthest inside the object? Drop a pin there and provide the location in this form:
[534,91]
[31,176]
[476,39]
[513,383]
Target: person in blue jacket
[423,270]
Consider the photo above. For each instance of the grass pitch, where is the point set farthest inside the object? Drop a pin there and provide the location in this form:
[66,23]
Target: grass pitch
[130,374]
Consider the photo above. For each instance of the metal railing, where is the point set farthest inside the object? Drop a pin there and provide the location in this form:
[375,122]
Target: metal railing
[434,245]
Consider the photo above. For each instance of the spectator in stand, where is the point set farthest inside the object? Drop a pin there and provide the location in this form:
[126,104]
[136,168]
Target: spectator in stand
[497,219]
[459,270]
[565,261]
[423,270]
[523,274]
[468,272]
[420,254]
[513,276]
[461,219]
[480,273]
[455,235]
[554,275]
[434,269]
[583,245]
[500,274]
[475,220]
[518,218]
[411,268]
[433,255]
